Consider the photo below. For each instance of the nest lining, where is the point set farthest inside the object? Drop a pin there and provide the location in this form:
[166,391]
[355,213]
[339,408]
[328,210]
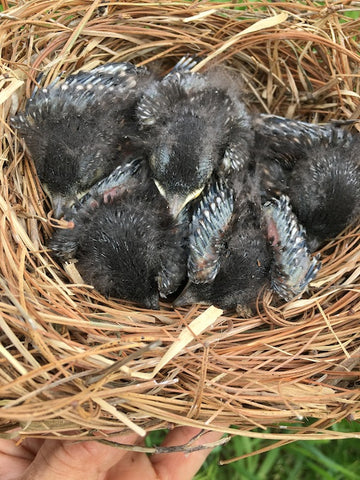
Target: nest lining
[73,362]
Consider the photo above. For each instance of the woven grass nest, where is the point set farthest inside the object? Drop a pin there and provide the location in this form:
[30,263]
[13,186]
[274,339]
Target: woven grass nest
[76,365]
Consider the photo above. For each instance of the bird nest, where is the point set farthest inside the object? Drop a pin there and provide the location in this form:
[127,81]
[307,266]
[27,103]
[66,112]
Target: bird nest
[77,365]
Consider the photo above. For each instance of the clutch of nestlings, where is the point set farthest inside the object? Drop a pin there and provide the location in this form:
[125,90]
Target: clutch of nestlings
[181,192]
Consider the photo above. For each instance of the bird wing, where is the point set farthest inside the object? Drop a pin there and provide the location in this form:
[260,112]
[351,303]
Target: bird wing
[185,64]
[80,91]
[109,187]
[77,130]
[80,107]
[286,140]
[293,268]
[209,223]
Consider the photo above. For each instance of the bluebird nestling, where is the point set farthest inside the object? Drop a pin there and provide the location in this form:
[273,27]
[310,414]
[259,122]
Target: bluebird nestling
[280,143]
[129,247]
[324,188]
[317,166]
[194,125]
[237,248]
[77,130]
[229,259]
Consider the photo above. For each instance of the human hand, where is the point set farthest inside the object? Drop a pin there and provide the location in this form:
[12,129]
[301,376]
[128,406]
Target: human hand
[37,459]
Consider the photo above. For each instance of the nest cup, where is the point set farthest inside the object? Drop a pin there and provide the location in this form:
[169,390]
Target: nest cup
[76,365]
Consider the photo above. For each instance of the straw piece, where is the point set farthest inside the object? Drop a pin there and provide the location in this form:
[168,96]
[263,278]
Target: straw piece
[6,92]
[120,416]
[197,326]
[259,25]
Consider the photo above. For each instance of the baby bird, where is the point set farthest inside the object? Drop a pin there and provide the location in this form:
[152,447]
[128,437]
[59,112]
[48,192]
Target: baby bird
[77,130]
[324,189]
[194,125]
[128,247]
[317,166]
[229,260]
[237,249]
[281,142]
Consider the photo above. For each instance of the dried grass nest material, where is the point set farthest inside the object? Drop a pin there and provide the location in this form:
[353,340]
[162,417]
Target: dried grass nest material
[74,363]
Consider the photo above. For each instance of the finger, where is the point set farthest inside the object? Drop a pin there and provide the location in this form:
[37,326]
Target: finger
[75,461]
[133,466]
[182,466]
[10,448]
[32,445]
[14,460]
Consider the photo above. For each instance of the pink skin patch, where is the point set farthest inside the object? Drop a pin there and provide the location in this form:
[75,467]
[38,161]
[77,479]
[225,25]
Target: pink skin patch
[272,232]
[94,204]
[112,194]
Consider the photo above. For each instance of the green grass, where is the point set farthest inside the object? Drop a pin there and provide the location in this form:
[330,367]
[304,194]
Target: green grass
[354,14]
[302,460]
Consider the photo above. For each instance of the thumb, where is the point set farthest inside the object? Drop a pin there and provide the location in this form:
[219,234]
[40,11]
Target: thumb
[59,459]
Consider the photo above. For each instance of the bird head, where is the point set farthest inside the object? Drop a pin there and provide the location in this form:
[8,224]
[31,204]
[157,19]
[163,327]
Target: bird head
[195,125]
[183,159]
